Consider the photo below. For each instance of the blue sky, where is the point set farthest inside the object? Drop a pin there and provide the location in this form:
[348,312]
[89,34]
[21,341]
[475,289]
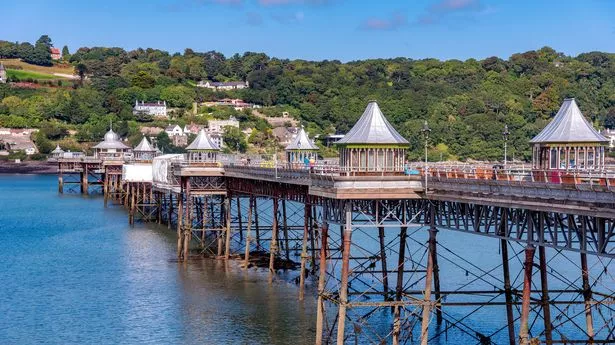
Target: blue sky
[320,29]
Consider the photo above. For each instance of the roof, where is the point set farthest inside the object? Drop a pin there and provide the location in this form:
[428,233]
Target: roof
[171,128]
[144,146]
[373,128]
[226,83]
[301,142]
[569,125]
[111,141]
[57,150]
[55,50]
[203,142]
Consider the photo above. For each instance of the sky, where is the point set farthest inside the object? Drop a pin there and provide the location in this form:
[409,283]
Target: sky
[344,30]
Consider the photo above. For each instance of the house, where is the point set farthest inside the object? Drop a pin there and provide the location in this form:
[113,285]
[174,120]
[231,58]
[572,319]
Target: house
[231,85]
[237,104]
[3,76]
[217,139]
[179,140]
[610,135]
[56,54]
[285,134]
[332,139]
[151,131]
[217,126]
[18,139]
[174,130]
[155,109]
[192,128]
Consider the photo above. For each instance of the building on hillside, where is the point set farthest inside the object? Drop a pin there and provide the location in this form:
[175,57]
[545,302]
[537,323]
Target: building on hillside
[179,140]
[230,85]
[111,147]
[18,139]
[373,145]
[217,139]
[151,131]
[192,128]
[285,135]
[3,75]
[217,126]
[332,139]
[301,149]
[56,53]
[569,142]
[155,109]
[610,135]
[174,130]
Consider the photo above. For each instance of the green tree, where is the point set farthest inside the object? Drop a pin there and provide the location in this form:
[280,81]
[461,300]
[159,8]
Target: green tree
[234,139]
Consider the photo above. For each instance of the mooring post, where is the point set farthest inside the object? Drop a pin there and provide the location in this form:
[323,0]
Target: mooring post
[246,257]
[546,306]
[343,293]
[273,247]
[508,294]
[306,221]
[524,336]
[239,220]
[320,306]
[256,226]
[285,229]
[131,209]
[180,216]
[428,280]
[106,189]
[187,228]
[400,283]
[60,182]
[587,297]
[170,210]
[227,228]
[220,238]
[127,196]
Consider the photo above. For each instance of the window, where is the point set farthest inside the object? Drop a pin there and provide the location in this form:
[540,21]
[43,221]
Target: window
[553,164]
[590,159]
[581,162]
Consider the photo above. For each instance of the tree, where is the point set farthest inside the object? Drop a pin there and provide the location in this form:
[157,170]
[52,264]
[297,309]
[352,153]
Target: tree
[65,53]
[81,69]
[45,41]
[43,144]
[234,139]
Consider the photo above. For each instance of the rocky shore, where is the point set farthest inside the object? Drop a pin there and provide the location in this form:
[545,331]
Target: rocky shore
[28,167]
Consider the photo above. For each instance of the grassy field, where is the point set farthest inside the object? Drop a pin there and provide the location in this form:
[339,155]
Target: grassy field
[23,75]
[17,64]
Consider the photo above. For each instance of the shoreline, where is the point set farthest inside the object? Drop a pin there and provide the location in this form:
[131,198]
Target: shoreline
[29,167]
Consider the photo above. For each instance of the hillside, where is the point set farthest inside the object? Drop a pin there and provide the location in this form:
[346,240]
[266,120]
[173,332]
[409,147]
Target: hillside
[22,70]
[467,103]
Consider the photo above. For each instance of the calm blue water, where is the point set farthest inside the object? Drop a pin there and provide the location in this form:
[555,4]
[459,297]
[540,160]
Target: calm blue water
[73,272]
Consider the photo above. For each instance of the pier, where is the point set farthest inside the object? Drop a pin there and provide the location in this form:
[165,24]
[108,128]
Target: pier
[365,231]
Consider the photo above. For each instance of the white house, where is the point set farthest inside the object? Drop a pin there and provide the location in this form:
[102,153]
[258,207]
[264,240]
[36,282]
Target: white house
[156,109]
[174,130]
[231,85]
[217,126]
[610,134]
[3,76]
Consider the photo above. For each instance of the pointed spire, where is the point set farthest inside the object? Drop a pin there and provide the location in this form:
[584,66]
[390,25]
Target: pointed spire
[373,128]
[301,142]
[569,125]
[203,142]
[144,146]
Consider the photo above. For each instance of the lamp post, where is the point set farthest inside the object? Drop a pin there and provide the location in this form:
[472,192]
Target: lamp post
[505,134]
[425,132]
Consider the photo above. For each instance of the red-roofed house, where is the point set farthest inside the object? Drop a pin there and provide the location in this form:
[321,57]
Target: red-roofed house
[56,54]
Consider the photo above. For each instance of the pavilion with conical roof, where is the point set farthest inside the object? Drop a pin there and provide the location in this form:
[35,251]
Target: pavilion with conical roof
[301,148]
[144,151]
[57,152]
[569,142]
[202,149]
[111,147]
[373,145]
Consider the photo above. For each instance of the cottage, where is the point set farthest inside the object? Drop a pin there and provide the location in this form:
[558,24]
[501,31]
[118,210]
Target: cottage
[285,135]
[217,126]
[569,142]
[56,53]
[174,130]
[155,109]
[231,85]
